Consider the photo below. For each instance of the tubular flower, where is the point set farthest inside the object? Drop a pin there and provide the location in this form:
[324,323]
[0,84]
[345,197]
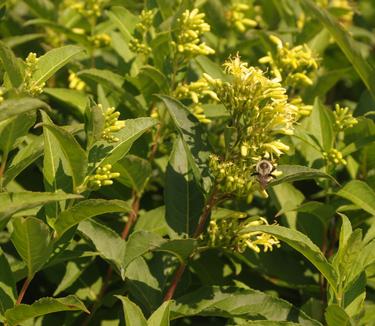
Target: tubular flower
[293,66]
[196,91]
[260,113]
[190,27]
[111,125]
[225,233]
[343,118]
[236,16]
[30,86]
[75,82]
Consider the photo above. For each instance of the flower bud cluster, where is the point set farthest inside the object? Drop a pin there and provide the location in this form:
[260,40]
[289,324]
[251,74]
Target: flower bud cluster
[343,118]
[233,178]
[225,233]
[75,82]
[87,8]
[111,124]
[344,7]
[102,177]
[29,85]
[236,16]
[100,40]
[196,92]
[293,66]
[1,95]
[138,42]
[334,157]
[190,27]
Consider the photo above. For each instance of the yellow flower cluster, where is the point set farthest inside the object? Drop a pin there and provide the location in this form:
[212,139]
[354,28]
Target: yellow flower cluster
[75,82]
[112,124]
[292,65]
[260,112]
[190,27]
[1,95]
[138,42]
[29,86]
[196,91]
[102,177]
[224,233]
[345,8]
[236,16]
[343,118]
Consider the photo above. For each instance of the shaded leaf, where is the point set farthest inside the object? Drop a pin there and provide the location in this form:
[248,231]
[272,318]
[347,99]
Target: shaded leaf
[191,132]
[298,172]
[302,244]
[183,198]
[11,66]
[12,107]
[336,316]
[232,302]
[8,290]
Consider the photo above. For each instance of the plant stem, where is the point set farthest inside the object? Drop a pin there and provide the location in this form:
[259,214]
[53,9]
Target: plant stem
[211,202]
[4,160]
[132,216]
[23,290]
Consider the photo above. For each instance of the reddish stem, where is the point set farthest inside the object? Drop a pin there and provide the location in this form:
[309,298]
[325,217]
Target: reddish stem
[23,290]
[211,202]
[132,216]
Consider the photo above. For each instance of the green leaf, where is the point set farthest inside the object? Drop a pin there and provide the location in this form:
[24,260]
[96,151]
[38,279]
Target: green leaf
[72,97]
[320,125]
[44,306]
[134,172]
[13,202]
[183,198]
[360,193]
[87,209]
[298,172]
[73,159]
[12,107]
[345,42]
[107,242]
[237,302]
[124,20]
[191,132]
[161,316]
[14,128]
[11,66]
[335,316]
[345,231]
[8,290]
[42,8]
[105,153]
[153,221]
[94,125]
[33,241]
[302,244]
[142,242]
[53,61]
[103,76]
[211,68]
[132,313]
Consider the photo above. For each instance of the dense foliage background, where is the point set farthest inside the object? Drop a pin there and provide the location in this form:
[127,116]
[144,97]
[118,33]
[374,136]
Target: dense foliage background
[131,189]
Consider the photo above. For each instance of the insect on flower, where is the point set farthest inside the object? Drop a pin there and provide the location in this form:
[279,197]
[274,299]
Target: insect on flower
[263,172]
